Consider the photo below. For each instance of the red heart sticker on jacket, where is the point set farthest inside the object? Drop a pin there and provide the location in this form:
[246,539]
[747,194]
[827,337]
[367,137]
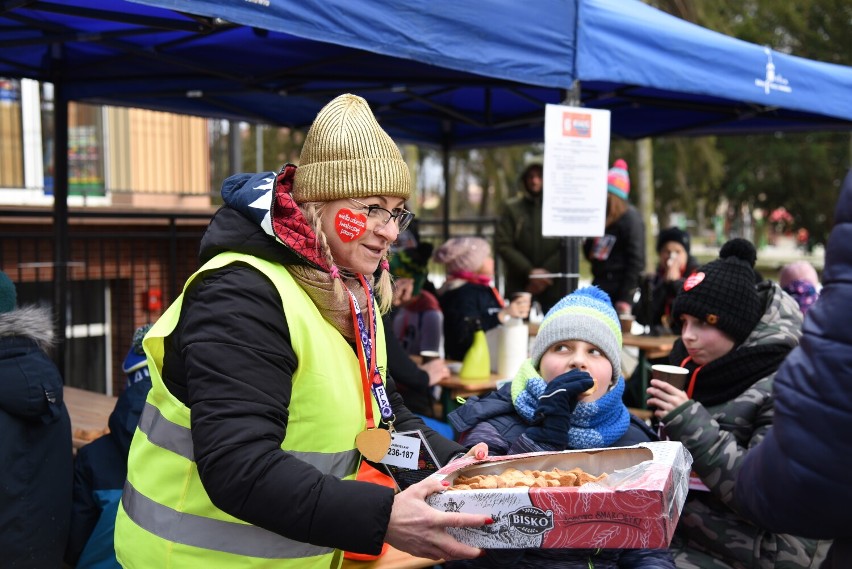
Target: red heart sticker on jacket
[350,225]
[693,281]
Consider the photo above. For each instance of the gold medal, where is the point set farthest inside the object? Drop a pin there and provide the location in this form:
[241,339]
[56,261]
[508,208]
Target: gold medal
[373,443]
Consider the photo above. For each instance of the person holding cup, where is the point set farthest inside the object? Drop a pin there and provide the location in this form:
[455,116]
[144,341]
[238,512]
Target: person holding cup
[734,336]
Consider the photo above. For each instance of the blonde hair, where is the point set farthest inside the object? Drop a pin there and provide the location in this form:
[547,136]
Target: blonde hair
[615,208]
[383,288]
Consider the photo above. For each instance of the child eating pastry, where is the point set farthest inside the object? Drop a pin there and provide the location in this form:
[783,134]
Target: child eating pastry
[567,395]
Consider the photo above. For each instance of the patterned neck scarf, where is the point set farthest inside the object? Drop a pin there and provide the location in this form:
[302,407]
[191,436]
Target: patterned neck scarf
[594,424]
[333,307]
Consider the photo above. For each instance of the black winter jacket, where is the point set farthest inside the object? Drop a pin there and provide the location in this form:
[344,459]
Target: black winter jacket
[463,306]
[798,479]
[230,360]
[35,444]
[620,273]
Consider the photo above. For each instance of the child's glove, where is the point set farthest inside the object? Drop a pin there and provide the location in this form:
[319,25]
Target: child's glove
[553,415]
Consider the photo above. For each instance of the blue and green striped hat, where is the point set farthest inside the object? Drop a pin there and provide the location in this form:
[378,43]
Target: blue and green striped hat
[586,314]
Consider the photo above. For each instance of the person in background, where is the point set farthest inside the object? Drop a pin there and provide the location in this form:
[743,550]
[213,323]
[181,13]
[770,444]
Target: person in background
[36,453]
[468,297]
[416,316]
[269,375]
[525,252]
[414,381]
[618,258]
[734,336]
[100,470]
[799,279]
[675,264]
[797,479]
[547,407]
[135,363]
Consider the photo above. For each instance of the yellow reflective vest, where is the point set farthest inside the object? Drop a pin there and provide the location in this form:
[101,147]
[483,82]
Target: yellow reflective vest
[166,519]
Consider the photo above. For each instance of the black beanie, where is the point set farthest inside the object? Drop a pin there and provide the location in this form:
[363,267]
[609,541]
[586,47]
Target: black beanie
[675,234]
[741,248]
[723,294]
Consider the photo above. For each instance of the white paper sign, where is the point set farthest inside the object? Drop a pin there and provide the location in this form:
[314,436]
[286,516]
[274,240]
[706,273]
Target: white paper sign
[576,156]
[403,452]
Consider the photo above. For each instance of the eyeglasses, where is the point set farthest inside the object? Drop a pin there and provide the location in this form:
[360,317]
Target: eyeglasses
[401,216]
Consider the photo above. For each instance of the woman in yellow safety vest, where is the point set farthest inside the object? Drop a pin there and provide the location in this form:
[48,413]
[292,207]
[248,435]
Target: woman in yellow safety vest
[269,375]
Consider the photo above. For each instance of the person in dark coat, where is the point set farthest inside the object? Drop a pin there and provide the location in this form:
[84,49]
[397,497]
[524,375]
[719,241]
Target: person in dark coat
[527,254]
[734,335]
[618,257]
[798,479]
[658,293]
[269,373]
[101,468]
[568,395]
[36,453]
[468,298]
[99,473]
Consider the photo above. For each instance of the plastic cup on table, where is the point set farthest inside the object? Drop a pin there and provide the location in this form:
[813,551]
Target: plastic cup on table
[427,356]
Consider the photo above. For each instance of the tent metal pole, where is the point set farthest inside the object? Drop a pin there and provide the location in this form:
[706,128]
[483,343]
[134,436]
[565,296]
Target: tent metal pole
[570,252]
[445,160]
[60,223]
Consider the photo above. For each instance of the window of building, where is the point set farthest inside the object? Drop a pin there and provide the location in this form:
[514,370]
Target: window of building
[11,151]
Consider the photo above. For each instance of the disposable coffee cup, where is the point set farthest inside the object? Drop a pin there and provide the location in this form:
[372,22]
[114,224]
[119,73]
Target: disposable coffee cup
[427,356]
[626,323]
[673,375]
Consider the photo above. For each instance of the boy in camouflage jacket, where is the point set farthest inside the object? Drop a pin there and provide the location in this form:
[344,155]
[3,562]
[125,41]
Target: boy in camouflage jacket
[734,337]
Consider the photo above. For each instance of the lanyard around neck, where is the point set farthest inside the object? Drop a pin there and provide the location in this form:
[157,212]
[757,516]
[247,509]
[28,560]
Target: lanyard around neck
[365,341]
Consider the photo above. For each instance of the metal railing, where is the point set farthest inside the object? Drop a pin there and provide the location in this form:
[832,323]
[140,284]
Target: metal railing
[124,269]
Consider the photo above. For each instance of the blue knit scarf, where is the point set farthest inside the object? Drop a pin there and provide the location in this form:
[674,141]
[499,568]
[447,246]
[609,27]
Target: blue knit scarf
[595,424]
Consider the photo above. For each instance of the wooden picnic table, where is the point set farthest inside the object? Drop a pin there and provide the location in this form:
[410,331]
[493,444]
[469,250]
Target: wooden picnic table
[89,413]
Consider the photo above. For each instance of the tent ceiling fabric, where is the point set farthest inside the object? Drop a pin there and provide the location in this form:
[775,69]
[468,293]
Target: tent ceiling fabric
[457,74]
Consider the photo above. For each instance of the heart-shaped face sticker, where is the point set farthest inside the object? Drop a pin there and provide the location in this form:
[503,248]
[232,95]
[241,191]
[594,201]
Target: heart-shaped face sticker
[693,281]
[350,225]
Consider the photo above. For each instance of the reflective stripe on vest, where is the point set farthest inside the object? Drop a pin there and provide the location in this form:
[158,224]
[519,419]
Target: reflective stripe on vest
[166,516]
[178,439]
[216,535]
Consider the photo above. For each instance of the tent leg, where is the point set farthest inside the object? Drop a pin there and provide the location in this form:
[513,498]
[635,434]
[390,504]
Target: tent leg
[60,224]
[445,159]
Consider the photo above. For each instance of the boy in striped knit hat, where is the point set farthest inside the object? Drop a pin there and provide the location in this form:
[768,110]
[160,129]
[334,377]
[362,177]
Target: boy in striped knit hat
[567,395]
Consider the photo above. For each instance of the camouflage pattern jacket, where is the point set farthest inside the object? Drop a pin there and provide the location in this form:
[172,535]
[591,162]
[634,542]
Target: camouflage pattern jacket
[710,532]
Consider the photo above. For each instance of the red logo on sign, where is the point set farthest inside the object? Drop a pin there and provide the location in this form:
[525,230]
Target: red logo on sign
[350,225]
[577,124]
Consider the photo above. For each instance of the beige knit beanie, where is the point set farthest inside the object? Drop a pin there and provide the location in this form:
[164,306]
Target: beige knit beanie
[347,155]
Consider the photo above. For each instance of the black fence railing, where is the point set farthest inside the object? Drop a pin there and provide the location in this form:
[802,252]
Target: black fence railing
[123,270]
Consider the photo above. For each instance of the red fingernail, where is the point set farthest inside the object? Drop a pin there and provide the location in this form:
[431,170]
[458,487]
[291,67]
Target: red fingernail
[482,554]
[489,521]
[445,483]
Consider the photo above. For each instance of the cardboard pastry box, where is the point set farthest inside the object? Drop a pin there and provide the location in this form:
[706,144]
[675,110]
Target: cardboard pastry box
[637,505]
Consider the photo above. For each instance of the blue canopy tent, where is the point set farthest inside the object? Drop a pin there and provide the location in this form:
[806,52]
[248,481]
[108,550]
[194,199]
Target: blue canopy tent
[444,73]
[464,74]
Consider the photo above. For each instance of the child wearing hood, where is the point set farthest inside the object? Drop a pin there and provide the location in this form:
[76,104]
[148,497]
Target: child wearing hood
[568,395]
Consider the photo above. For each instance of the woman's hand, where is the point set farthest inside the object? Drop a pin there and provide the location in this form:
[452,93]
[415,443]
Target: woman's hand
[419,529]
[518,307]
[478,451]
[437,371]
[664,398]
